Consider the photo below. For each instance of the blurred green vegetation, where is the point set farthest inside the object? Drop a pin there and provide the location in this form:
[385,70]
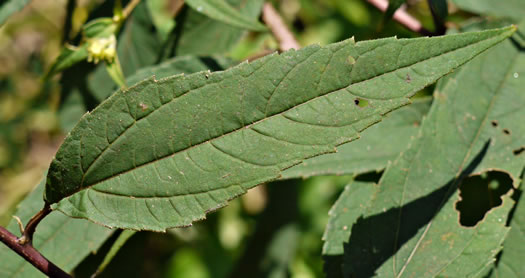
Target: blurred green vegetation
[273,231]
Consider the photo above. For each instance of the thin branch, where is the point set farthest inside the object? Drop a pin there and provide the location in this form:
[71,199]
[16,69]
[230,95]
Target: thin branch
[129,8]
[403,18]
[31,255]
[274,21]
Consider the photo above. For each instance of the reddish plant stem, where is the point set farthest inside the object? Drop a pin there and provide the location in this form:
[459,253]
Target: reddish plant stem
[403,18]
[30,254]
[278,28]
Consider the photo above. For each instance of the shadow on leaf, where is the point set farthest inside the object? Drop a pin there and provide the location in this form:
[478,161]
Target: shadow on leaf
[376,238]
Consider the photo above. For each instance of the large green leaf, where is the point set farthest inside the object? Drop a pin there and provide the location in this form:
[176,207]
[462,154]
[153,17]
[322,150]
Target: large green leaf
[510,264]
[377,146]
[220,10]
[201,35]
[10,7]
[413,213]
[97,234]
[163,153]
[63,240]
[514,9]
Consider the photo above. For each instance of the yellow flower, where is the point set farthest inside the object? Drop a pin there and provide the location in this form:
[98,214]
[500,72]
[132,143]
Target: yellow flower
[102,49]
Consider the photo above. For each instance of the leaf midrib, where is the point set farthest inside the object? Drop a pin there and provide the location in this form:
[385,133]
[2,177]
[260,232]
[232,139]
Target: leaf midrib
[256,122]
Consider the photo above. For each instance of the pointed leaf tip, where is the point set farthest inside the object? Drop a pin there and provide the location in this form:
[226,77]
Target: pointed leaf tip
[163,154]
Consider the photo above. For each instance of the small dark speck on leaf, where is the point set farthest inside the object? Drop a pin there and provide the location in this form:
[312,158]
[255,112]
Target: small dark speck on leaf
[361,102]
[519,151]
[408,79]
[494,123]
[506,131]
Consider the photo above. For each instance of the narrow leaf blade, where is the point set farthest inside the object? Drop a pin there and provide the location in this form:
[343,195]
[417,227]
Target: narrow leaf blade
[215,135]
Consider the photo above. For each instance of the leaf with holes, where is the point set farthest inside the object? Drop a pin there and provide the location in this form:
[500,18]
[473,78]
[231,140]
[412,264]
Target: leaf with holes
[414,211]
[164,153]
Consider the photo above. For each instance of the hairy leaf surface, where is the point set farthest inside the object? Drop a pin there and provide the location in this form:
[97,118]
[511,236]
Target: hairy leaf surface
[63,240]
[222,11]
[163,153]
[413,214]
[377,146]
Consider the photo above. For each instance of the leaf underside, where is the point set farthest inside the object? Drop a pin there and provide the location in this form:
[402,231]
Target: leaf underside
[163,153]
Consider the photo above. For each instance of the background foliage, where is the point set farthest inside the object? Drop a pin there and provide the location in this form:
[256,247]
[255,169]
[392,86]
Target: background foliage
[467,129]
